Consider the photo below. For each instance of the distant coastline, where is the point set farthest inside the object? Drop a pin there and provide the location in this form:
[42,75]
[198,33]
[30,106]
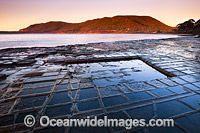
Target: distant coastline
[12,32]
[18,32]
[131,24]
[108,25]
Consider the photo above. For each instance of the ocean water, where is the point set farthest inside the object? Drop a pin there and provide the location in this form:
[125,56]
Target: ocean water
[52,40]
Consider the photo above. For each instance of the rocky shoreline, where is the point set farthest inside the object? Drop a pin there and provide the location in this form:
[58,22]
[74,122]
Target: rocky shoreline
[23,57]
[32,80]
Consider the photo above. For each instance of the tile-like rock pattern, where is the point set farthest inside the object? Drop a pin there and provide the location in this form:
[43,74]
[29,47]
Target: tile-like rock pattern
[59,82]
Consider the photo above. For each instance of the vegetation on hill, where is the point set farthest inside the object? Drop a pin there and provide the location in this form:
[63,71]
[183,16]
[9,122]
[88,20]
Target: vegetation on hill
[117,24]
[189,27]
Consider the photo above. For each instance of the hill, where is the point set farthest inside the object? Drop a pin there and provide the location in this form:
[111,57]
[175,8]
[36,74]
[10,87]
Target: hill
[116,24]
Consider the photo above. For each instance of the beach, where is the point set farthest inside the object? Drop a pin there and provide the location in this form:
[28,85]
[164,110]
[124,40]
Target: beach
[139,78]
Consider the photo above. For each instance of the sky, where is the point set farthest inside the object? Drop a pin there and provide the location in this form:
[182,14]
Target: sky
[18,14]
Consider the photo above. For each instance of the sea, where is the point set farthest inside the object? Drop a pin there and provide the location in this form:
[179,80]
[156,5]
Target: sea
[52,40]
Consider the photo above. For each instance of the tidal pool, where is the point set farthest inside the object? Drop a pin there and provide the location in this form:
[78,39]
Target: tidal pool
[115,72]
